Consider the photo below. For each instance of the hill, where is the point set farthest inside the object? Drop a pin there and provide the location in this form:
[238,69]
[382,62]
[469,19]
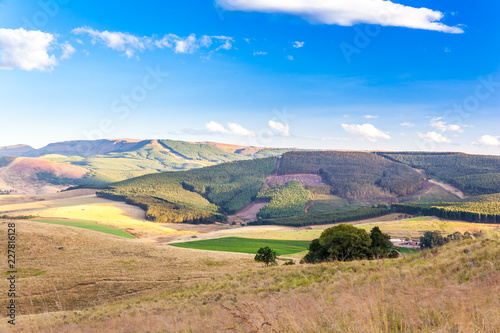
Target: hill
[473,174]
[16,150]
[108,161]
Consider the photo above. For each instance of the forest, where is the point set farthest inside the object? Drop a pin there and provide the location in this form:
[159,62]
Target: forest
[473,174]
[211,191]
[354,174]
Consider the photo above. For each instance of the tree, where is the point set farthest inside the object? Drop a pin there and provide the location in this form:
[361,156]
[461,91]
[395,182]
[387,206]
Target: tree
[346,242]
[266,255]
[431,239]
[381,244]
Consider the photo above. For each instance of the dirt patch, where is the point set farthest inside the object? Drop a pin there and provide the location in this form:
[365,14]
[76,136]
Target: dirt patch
[453,190]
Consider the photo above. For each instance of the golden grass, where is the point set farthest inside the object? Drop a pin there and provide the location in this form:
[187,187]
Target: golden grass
[83,268]
[452,289]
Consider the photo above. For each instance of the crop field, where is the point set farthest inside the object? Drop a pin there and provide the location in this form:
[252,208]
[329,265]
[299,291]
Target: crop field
[89,226]
[246,245]
[416,227]
[304,179]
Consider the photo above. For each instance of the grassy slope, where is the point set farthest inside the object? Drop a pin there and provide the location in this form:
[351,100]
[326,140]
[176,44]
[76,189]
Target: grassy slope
[246,245]
[454,288]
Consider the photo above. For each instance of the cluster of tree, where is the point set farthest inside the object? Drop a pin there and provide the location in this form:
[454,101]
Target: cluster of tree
[4,161]
[354,174]
[210,191]
[346,243]
[474,174]
[432,239]
[324,218]
[17,217]
[285,201]
[53,179]
[266,255]
[479,212]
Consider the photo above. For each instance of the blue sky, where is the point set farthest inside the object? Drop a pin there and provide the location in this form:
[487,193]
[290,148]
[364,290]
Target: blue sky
[353,74]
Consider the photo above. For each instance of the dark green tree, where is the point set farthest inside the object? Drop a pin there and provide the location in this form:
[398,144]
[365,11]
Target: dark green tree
[346,242]
[266,255]
[431,239]
[381,245]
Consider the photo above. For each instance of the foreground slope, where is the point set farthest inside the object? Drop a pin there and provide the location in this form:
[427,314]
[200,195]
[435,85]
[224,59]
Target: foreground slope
[455,288]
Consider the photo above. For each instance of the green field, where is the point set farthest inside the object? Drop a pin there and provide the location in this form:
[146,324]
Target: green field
[246,245]
[90,226]
[405,250]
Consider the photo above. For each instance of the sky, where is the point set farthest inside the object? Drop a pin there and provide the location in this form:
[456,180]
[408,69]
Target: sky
[323,74]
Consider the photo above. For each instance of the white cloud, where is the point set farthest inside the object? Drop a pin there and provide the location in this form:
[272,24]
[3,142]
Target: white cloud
[298,44]
[444,127]
[289,57]
[370,116]
[67,50]
[434,137]
[259,53]
[368,131]
[26,49]
[118,41]
[283,129]
[215,127]
[237,129]
[348,12]
[489,140]
[130,44]
[233,128]
[407,124]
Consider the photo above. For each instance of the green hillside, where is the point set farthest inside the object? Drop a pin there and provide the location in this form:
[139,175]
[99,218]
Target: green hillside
[473,174]
[199,195]
[354,174]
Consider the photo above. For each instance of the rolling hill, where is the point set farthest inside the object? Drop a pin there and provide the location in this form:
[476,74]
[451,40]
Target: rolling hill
[107,161]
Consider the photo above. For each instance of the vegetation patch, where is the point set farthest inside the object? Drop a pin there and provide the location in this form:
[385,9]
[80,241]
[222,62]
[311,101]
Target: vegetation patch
[89,226]
[246,245]
[285,201]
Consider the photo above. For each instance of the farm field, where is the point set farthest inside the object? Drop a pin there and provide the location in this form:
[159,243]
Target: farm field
[246,245]
[89,226]
[83,205]
[416,227]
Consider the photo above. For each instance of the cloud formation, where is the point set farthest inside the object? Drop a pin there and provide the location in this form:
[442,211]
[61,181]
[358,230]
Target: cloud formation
[26,49]
[298,44]
[434,137]
[407,124]
[444,127]
[368,131]
[489,140]
[130,44]
[232,128]
[282,129]
[348,12]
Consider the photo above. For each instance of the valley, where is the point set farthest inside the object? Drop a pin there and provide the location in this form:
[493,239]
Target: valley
[185,240]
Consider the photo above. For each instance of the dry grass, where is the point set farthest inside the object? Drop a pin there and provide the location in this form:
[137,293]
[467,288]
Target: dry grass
[68,268]
[453,289]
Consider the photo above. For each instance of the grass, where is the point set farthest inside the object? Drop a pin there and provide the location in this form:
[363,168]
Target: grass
[90,226]
[405,250]
[450,289]
[246,245]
